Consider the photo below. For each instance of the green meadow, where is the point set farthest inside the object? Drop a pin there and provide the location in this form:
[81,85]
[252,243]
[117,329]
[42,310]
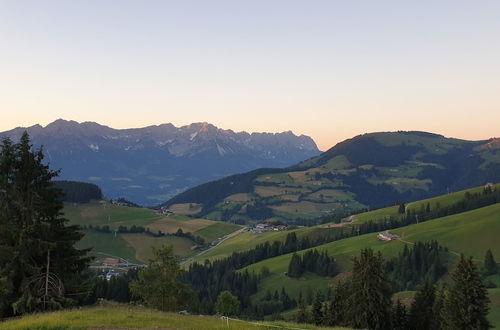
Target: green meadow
[114,316]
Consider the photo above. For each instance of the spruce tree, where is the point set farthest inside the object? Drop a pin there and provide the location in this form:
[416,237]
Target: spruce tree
[421,312]
[317,311]
[437,310]
[490,265]
[35,240]
[370,301]
[399,319]
[466,304]
[295,268]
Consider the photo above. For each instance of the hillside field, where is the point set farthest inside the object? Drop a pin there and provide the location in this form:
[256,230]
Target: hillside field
[114,316]
[471,233]
[137,247]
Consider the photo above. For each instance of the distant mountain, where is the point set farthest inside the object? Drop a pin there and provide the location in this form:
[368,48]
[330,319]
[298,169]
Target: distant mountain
[151,164]
[370,170]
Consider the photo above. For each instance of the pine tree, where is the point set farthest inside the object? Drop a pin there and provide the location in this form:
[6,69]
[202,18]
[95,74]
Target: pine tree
[35,239]
[295,268]
[317,312]
[421,312]
[466,303]
[490,265]
[437,311]
[370,299]
[336,309]
[399,317]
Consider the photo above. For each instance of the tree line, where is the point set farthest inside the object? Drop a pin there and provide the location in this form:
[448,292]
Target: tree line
[78,192]
[314,262]
[141,230]
[364,301]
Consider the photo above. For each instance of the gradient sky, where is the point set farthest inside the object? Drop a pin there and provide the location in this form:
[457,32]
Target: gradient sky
[328,69]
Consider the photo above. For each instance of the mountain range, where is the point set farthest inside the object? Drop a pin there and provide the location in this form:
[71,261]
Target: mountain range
[370,170]
[151,164]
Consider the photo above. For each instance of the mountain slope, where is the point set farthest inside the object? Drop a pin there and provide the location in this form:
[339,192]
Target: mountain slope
[369,170]
[148,165]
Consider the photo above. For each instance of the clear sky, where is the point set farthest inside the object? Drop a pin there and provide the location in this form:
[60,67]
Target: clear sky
[328,69]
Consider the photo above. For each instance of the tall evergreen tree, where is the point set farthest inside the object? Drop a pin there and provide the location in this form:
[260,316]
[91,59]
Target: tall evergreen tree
[35,240]
[399,319]
[466,304]
[490,265]
[421,312]
[370,299]
[295,268]
[437,310]
[317,311]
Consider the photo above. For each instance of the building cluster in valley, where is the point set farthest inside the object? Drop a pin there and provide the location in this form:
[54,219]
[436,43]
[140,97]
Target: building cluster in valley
[386,236]
[263,227]
[164,211]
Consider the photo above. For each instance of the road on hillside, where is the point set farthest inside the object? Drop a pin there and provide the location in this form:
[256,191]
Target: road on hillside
[228,236]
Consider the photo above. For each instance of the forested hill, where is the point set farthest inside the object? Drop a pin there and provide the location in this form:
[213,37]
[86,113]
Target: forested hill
[78,192]
[369,170]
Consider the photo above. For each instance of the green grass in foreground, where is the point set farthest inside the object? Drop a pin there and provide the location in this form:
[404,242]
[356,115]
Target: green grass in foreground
[124,316]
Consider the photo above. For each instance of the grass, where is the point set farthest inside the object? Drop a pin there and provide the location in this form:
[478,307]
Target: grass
[186,208]
[471,233]
[105,213]
[242,242]
[171,224]
[125,316]
[216,230]
[107,244]
[494,315]
[446,200]
[142,244]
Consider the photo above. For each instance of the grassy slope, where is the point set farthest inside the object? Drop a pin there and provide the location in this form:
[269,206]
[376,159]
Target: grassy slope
[104,213]
[143,243]
[248,240]
[217,230]
[108,244]
[123,316]
[471,233]
[137,247]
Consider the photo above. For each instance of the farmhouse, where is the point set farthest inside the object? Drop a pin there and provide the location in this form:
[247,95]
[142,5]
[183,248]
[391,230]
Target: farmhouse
[386,236]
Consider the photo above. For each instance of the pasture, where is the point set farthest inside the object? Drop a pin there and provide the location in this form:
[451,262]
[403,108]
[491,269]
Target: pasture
[121,316]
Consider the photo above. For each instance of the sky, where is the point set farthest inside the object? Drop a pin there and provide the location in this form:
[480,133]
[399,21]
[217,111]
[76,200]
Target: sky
[327,69]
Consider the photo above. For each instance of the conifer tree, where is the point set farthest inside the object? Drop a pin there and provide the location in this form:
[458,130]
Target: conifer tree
[295,267]
[35,239]
[369,303]
[490,265]
[317,311]
[399,316]
[437,310]
[466,303]
[421,312]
